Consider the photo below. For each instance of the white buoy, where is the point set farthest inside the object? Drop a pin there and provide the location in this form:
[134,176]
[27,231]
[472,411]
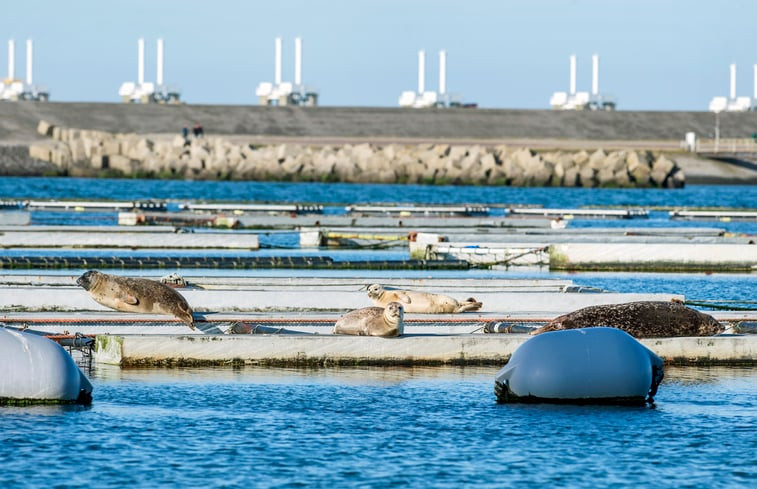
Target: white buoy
[587,365]
[34,369]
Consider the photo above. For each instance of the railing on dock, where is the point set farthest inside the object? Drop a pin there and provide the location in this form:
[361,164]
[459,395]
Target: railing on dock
[727,147]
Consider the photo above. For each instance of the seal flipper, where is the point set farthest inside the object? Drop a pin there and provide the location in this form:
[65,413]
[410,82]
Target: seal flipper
[128,299]
[404,297]
[469,305]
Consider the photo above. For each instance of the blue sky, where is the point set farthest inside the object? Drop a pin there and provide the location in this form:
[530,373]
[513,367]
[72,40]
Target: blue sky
[654,55]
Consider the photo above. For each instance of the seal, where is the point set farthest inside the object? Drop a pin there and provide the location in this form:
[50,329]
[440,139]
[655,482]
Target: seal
[372,321]
[423,302]
[130,294]
[645,319]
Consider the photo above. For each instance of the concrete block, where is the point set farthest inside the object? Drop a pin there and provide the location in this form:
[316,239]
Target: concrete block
[45,128]
[122,163]
[99,162]
[40,151]
[111,147]
[597,159]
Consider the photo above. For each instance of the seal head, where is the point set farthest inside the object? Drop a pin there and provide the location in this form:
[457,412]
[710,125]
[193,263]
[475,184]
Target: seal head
[86,279]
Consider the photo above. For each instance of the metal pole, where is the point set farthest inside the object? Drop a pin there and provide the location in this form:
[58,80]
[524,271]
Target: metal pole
[29,61]
[140,61]
[421,71]
[11,60]
[277,77]
[572,74]
[159,76]
[297,61]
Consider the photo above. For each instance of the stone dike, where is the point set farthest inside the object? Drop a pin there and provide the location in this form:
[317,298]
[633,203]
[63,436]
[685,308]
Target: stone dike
[79,152]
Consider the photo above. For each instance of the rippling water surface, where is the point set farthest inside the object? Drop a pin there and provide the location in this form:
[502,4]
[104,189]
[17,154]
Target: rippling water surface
[377,428]
[345,193]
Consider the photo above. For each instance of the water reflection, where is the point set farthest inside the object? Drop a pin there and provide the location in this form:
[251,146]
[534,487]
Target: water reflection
[255,374]
[367,375]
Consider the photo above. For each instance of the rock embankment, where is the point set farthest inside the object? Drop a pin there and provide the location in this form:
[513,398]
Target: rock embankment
[86,152]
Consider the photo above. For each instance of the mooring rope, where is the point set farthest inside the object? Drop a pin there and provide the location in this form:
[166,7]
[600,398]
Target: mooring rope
[510,259]
[720,305]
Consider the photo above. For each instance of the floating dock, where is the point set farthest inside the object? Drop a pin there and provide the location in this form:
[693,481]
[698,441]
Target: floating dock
[579,213]
[412,210]
[595,249]
[325,350]
[653,256]
[15,218]
[122,237]
[720,215]
[217,261]
[295,340]
[288,321]
[307,299]
[298,221]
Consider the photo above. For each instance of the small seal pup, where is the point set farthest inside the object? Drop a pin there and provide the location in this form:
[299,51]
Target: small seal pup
[130,294]
[645,319]
[372,321]
[423,302]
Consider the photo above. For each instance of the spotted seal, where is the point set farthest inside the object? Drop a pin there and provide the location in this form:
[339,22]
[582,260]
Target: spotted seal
[372,321]
[644,319]
[423,302]
[131,294]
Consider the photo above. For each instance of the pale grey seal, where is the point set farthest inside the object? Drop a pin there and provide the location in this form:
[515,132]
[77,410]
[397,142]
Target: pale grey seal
[372,321]
[422,302]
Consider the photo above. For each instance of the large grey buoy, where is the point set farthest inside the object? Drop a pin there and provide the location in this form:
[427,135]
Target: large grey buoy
[587,365]
[34,369]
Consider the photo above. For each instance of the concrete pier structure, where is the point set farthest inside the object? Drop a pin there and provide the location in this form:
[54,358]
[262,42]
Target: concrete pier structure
[324,350]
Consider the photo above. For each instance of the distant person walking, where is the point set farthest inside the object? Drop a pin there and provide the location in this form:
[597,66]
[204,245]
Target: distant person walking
[198,131]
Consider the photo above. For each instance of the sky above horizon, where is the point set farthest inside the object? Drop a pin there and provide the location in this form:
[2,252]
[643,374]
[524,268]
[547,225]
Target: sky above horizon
[654,55]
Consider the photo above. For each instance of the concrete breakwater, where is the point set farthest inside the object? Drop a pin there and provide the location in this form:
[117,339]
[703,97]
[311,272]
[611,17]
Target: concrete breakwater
[80,152]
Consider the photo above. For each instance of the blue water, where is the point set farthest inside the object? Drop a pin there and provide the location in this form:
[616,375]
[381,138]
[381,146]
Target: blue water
[343,193]
[695,286]
[378,428]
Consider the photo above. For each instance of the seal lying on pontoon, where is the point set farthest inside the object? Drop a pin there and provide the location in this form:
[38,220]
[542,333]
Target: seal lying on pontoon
[372,321]
[645,319]
[423,302]
[131,294]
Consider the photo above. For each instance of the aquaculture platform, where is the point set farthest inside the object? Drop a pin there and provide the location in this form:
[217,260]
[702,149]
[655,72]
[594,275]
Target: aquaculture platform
[431,349]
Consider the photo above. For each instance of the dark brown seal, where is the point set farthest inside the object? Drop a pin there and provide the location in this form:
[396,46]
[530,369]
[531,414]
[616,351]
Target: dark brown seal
[646,319]
[130,294]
